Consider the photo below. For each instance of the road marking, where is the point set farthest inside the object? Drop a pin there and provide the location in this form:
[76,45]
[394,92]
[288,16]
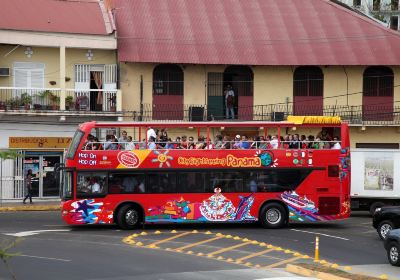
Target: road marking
[282,262]
[254,255]
[230,248]
[38,257]
[169,238]
[198,243]
[323,234]
[34,232]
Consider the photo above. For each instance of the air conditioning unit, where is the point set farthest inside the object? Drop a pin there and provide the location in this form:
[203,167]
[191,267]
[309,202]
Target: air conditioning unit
[4,72]
[277,116]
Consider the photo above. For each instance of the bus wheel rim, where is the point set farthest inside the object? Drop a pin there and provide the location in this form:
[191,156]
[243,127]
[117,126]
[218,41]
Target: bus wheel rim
[385,230]
[273,216]
[131,217]
[394,254]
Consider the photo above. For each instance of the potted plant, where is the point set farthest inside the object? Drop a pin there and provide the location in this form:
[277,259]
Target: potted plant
[26,101]
[69,102]
[50,98]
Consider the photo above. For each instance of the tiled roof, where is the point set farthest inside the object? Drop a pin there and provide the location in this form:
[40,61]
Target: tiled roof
[62,16]
[251,32]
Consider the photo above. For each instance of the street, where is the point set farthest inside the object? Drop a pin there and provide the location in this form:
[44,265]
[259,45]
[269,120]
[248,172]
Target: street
[49,249]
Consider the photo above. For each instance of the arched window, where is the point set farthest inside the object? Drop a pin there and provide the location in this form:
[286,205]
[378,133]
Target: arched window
[378,81]
[308,90]
[378,89]
[167,92]
[167,80]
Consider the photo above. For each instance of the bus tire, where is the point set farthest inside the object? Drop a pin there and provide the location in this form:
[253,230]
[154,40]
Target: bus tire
[273,215]
[129,217]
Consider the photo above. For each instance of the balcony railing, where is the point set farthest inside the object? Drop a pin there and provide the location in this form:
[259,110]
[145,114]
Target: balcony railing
[379,114]
[42,99]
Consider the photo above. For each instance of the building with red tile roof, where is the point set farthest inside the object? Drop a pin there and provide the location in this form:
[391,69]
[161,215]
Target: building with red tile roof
[267,32]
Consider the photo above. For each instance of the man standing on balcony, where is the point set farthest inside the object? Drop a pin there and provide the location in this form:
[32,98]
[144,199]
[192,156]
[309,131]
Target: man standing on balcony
[229,102]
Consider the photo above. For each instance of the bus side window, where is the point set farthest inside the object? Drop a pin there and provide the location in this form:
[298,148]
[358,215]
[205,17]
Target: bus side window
[91,184]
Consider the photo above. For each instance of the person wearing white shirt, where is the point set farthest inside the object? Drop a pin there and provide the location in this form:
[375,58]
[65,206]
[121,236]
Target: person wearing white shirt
[129,145]
[337,145]
[96,187]
[151,133]
[151,145]
[274,142]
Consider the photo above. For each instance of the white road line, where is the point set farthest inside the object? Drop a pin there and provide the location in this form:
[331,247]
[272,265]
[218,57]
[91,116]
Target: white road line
[38,257]
[34,232]
[323,234]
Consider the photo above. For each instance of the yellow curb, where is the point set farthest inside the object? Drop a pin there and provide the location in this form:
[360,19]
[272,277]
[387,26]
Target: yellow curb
[220,258]
[195,231]
[383,276]
[311,273]
[143,233]
[262,244]
[157,232]
[335,265]
[229,260]
[200,254]
[228,236]
[219,234]
[347,268]
[31,208]
[189,252]
[173,231]
[236,238]
[255,242]
[139,244]
[208,232]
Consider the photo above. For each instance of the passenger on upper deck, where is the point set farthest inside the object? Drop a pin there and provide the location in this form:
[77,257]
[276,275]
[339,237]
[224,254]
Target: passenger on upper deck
[129,145]
[151,145]
[151,133]
[274,142]
[336,144]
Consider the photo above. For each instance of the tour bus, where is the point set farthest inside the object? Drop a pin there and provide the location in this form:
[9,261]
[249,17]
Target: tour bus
[281,175]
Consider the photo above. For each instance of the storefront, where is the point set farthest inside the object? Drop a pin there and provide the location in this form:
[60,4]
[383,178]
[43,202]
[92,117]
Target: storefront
[41,155]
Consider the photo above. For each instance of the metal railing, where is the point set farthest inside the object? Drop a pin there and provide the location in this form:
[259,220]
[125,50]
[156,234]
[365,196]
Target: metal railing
[48,99]
[377,114]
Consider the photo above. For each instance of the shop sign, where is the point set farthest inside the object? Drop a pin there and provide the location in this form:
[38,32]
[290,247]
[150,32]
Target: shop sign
[39,142]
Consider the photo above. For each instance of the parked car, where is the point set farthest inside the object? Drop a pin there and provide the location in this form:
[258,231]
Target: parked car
[385,219]
[392,246]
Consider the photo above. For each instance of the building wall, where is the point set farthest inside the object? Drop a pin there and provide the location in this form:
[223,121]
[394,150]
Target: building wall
[51,58]
[272,84]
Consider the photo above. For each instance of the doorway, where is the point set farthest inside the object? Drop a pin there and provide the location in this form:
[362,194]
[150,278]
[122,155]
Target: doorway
[44,177]
[96,97]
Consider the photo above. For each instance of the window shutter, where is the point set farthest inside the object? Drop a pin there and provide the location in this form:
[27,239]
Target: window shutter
[20,78]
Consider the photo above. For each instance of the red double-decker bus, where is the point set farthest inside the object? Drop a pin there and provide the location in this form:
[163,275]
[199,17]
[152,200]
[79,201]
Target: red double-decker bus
[280,175]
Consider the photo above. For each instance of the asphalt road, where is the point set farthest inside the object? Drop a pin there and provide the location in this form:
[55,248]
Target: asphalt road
[58,251]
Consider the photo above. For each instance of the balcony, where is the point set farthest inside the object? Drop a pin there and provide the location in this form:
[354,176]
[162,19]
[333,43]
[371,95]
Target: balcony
[20,101]
[374,115]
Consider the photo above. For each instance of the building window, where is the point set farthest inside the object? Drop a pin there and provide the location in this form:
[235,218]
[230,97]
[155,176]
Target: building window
[308,81]
[167,80]
[394,22]
[378,81]
[28,75]
[394,5]
[376,6]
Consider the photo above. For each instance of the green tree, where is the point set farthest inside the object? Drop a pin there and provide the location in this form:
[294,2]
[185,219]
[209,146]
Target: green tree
[5,255]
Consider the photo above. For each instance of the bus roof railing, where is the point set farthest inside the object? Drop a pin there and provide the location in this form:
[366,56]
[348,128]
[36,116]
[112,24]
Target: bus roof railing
[307,121]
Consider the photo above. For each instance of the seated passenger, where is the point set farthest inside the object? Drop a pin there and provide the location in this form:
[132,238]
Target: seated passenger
[244,144]
[236,144]
[129,145]
[190,143]
[218,142]
[274,142]
[184,142]
[226,143]
[151,145]
[336,144]
[200,143]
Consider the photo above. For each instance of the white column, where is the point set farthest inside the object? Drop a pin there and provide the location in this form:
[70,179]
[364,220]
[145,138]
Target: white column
[119,101]
[62,78]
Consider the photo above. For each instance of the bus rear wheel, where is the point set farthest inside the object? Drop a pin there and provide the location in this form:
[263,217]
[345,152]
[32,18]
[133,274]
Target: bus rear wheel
[273,215]
[129,217]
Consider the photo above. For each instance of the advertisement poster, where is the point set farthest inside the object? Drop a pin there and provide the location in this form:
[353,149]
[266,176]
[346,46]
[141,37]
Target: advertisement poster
[379,172]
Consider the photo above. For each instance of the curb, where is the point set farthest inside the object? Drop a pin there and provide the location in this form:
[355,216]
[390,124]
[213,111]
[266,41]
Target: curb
[312,273]
[31,208]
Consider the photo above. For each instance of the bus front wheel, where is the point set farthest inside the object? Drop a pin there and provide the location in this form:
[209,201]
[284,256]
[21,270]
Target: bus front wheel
[273,215]
[129,217]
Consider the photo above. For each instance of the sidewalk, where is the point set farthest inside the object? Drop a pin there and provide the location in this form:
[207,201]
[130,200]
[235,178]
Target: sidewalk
[38,205]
